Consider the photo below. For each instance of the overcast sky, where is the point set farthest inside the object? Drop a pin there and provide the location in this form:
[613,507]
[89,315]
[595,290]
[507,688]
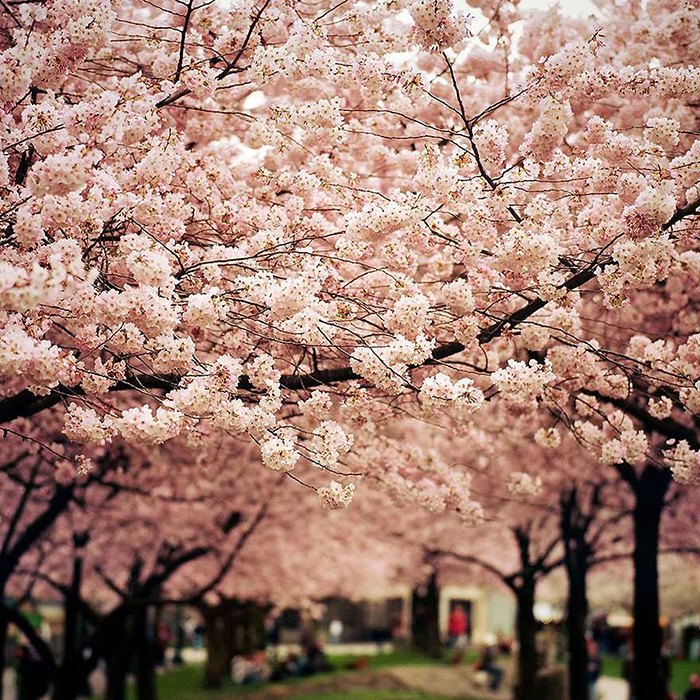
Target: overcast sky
[575,8]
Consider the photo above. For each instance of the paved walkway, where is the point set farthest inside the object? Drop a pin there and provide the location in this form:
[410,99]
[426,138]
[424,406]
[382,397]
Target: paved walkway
[444,681]
[447,681]
[458,682]
[612,689]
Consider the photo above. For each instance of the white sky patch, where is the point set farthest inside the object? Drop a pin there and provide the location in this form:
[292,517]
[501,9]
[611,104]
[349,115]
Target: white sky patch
[254,100]
[572,8]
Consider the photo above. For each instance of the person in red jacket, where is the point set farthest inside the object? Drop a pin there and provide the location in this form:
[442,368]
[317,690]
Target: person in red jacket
[457,628]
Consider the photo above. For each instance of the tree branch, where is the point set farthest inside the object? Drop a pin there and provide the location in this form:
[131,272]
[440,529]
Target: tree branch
[508,579]
[14,616]
[26,404]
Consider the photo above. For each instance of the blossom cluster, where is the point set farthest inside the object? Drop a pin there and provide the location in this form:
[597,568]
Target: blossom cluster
[265,207]
[439,24]
[523,484]
[336,495]
[684,463]
[522,384]
[439,391]
[386,367]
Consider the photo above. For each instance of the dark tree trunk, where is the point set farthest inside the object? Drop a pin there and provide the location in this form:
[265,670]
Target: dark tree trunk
[576,558]
[117,670]
[219,654]
[527,636]
[425,624]
[232,627]
[3,647]
[117,654]
[69,677]
[145,658]
[650,491]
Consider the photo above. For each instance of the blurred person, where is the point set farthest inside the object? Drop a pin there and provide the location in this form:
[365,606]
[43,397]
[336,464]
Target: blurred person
[335,631]
[250,668]
[314,661]
[487,663]
[457,627]
[288,667]
[180,635]
[504,644]
[162,642]
[693,692]
[594,668]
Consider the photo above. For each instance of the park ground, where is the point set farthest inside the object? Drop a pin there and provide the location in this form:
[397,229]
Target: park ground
[400,675]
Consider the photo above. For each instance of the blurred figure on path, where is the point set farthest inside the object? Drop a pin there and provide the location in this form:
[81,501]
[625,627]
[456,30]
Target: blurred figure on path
[162,642]
[594,668]
[487,663]
[693,692]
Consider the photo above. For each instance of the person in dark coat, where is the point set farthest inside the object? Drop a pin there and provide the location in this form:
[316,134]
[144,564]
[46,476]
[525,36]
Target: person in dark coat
[487,663]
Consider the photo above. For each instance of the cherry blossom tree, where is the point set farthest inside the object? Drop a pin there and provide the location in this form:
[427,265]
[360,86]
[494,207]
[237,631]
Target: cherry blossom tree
[176,526]
[294,223]
[40,485]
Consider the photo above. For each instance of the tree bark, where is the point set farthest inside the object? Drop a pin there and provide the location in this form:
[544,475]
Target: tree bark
[527,645]
[218,661]
[576,558]
[145,659]
[3,660]
[117,654]
[650,491]
[69,675]
[230,628]
[426,624]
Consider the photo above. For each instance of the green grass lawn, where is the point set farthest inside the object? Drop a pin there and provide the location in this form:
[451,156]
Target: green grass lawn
[399,657]
[680,671]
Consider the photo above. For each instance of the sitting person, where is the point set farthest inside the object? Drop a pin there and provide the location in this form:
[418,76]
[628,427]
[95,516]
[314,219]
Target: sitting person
[315,660]
[250,668]
[487,664]
[289,667]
